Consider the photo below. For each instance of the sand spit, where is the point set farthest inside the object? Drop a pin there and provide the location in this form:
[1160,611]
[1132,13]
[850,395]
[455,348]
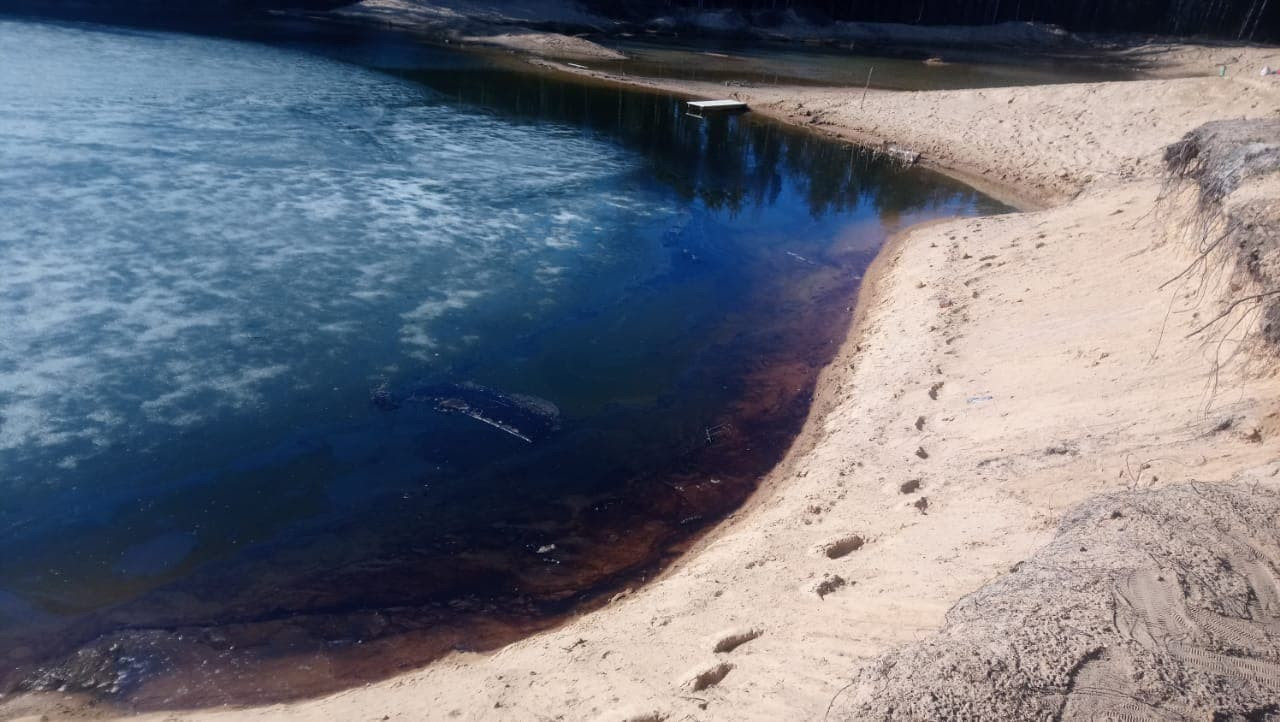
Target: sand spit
[1000,372]
[523,26]
[1178,60]
[1034,146]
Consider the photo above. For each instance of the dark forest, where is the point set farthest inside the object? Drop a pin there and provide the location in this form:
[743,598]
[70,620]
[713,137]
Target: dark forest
[1223,19]
[1227,19]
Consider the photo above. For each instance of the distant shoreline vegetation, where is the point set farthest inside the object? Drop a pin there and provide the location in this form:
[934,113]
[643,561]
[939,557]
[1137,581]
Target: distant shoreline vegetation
[1224,19]
[1231,19]
[111,10]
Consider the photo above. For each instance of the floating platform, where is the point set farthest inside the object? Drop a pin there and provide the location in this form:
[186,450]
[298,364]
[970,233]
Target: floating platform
[698,107]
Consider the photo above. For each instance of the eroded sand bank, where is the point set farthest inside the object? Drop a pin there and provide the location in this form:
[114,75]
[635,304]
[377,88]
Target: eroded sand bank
[1000,370]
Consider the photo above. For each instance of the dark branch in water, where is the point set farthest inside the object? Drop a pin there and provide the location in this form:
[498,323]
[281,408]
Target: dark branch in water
[527,418]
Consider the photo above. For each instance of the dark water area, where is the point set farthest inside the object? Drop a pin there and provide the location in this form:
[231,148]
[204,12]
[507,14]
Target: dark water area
[324,353]
[790,64]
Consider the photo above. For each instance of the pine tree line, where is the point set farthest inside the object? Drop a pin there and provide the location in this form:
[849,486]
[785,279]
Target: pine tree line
[1233,19]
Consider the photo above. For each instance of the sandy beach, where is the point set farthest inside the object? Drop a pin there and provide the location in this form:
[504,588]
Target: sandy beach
[997,372]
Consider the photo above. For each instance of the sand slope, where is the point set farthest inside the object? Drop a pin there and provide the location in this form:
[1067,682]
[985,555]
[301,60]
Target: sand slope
[1150,604]
[1002,370]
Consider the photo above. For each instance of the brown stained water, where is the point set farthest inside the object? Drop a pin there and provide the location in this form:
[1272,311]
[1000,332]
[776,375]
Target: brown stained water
[329,353]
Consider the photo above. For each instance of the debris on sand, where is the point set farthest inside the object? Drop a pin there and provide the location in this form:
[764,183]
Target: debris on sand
[830,584]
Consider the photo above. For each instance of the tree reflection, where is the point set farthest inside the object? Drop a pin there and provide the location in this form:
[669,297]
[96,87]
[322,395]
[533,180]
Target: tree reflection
[728,163]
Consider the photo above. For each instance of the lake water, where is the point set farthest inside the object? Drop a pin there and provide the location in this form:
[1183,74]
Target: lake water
[323,355]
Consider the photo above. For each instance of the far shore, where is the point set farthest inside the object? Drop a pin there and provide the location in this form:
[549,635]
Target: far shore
[996,373]
[556,30]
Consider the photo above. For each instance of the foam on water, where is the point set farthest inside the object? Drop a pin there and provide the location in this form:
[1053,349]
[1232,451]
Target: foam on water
[191,234]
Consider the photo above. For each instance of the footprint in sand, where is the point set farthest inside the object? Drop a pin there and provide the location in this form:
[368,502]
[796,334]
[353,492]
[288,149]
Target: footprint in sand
[843,546]
[647,716]
[706,677]
[731,639]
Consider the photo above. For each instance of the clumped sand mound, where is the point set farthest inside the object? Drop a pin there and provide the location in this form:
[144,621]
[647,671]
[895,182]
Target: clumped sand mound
[1147,605]
[1219,157]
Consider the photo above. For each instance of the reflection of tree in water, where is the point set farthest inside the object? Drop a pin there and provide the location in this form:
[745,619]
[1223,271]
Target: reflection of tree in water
[726,162]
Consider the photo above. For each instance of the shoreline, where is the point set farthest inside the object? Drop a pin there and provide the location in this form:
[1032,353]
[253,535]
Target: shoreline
[1008,193]
[555,30]
[824,398]
[1005,516]
[495,632]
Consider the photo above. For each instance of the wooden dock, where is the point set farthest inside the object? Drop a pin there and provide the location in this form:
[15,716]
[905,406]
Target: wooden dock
[697,108]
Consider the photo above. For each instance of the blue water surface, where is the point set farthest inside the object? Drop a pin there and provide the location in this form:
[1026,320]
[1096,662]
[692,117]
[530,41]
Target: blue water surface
[229,266]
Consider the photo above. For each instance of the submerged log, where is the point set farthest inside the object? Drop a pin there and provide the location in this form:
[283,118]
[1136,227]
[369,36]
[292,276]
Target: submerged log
[527,418]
